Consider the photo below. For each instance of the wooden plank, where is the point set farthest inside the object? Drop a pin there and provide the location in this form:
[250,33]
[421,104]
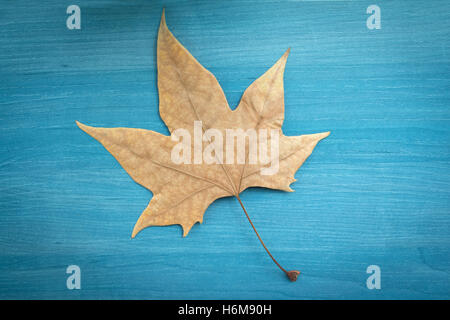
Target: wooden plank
[376,192]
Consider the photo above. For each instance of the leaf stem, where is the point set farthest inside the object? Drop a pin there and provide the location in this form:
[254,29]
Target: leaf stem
[293,274]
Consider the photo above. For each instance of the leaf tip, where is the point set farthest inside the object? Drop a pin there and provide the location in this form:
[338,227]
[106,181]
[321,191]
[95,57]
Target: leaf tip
[187,228]
[138,226]
[135,232]
[287,52]
[163,17]
[289,189]
[323,135]
[82,126]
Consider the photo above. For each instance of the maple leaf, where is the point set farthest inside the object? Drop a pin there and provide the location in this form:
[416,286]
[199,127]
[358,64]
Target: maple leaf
[187,93]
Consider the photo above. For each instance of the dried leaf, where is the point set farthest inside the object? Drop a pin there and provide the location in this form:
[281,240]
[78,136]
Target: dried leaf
[187,93]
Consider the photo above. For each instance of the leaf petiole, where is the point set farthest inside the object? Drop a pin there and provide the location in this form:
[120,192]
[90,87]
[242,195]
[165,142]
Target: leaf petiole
[293,274]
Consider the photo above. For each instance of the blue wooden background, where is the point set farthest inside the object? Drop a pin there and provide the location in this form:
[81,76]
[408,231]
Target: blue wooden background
[376,191]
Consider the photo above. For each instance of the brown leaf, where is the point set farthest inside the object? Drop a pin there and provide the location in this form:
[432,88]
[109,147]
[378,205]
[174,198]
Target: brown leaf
[187,93]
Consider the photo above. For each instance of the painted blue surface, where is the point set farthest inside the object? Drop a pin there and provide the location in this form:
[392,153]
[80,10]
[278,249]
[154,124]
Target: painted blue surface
[375,192]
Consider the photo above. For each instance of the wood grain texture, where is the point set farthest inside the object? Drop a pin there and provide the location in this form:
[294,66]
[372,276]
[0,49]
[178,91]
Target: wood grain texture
[376,191]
